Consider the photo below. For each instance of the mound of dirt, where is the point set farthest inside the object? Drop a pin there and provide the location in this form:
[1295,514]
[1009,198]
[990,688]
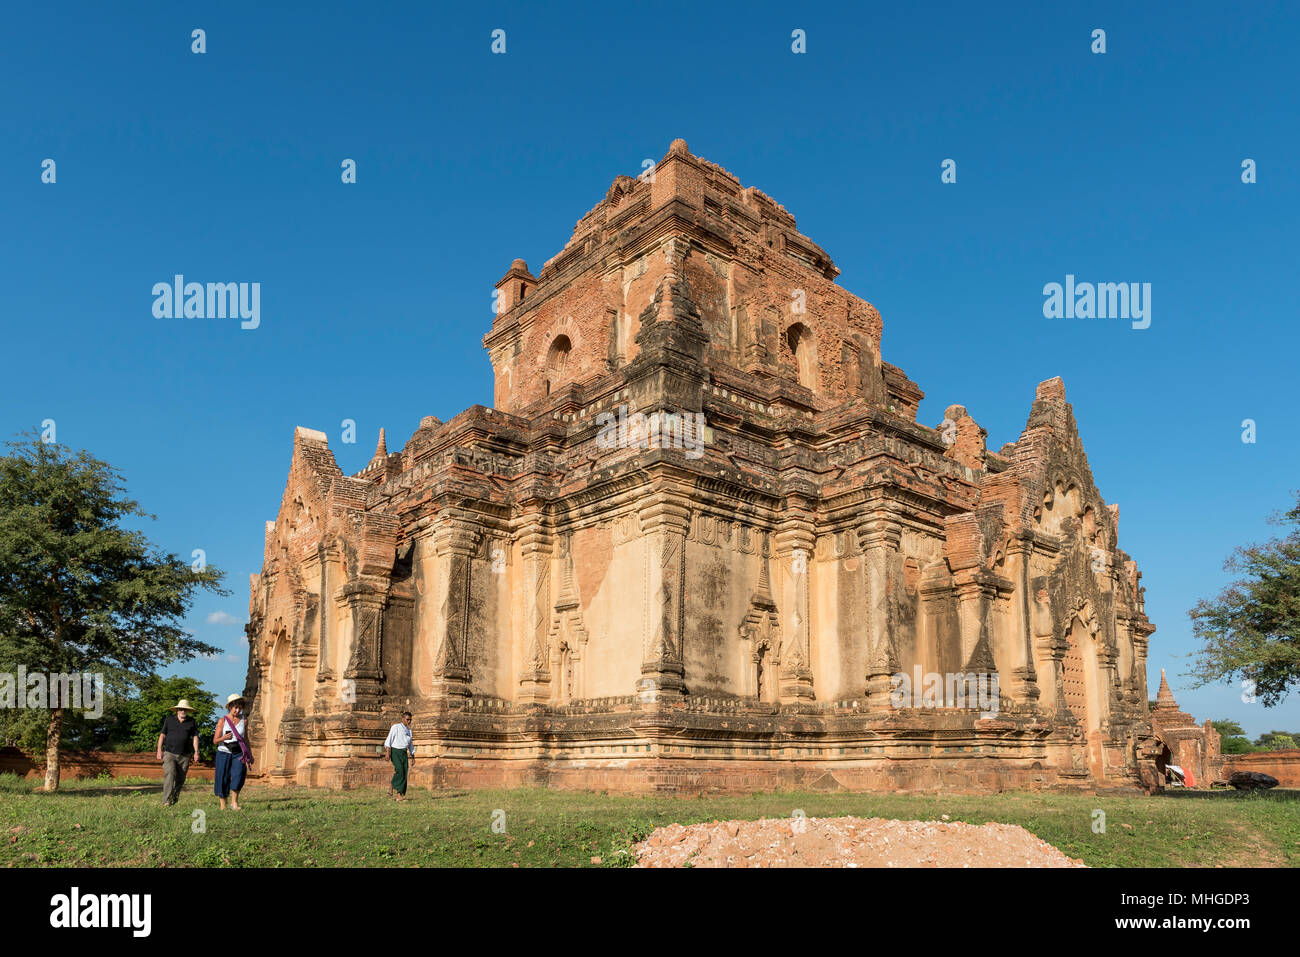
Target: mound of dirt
[846,842]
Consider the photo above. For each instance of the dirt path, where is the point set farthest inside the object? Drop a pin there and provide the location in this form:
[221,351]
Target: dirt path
[847,842]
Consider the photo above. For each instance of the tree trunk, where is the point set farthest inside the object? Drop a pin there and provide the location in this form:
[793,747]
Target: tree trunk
[52,737]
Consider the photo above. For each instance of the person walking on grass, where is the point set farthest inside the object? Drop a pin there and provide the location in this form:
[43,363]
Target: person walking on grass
[178,736]
[234,757]
[400,748]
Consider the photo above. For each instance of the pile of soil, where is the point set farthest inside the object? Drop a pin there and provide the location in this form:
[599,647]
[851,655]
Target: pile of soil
[846,842]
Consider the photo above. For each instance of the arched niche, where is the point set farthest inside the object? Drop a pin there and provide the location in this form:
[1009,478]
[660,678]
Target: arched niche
[801,342]
[1082,687]
[557,362]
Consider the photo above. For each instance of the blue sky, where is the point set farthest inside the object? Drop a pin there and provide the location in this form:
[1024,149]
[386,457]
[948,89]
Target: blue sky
[225,166]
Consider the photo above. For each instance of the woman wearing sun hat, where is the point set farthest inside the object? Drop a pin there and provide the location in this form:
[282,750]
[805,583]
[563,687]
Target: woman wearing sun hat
[233,754]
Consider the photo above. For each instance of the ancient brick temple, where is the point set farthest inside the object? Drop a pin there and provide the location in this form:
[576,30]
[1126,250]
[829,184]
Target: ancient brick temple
[701,542]
[1183,743]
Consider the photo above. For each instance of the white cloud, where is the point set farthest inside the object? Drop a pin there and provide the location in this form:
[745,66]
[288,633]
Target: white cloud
[223,618]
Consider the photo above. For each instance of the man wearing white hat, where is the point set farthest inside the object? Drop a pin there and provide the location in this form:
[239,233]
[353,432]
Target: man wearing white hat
[178,737]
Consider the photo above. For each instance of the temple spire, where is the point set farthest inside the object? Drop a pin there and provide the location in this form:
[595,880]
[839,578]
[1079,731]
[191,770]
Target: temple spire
[1165,697]
[380,458]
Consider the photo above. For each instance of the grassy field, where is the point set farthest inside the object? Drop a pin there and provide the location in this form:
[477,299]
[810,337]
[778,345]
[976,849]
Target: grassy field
[121,824]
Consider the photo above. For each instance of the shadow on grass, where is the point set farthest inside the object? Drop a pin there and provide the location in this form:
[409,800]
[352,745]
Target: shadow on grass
[1282,795]
[99,791]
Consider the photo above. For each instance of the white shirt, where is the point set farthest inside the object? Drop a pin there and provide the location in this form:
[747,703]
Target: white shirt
[399,737]
[229,743]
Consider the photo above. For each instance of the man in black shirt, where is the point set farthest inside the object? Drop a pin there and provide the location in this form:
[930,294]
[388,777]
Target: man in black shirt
[178,737]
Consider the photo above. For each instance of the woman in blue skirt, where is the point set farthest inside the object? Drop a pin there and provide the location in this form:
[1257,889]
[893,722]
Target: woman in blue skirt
[233,753]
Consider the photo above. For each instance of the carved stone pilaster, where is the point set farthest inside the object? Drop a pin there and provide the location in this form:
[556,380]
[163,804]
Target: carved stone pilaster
[454,543]
[977,593]
[760,633]
[254,674]
[665,524]
[536,545]
[1142,631]
[567,637]
[792,548]
[880,539]
[364,601]
[325,669]
[1050,650]
[1023,689]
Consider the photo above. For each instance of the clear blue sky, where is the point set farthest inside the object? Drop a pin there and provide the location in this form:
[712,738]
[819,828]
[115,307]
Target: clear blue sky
[226,167]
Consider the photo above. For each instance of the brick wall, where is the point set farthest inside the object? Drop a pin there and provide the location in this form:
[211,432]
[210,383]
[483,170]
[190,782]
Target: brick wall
[1283,765]
[92,764]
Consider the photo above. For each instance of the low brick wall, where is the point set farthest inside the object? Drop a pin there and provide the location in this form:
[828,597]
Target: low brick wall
[953,775]
[1283,765]
[93,764]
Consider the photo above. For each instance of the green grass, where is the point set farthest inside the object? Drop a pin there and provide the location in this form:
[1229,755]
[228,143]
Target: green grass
[91,824]
[13,784]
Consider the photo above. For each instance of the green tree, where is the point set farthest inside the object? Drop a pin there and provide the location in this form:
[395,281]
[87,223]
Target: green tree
[1251,630]
[156,699]
[26,728]
[1276,741]
[1237,745]
[127,724]
[78,592]
[23,727]
[1233,735]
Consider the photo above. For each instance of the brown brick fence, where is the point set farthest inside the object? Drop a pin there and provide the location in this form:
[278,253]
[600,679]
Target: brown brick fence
[92,764]
[1283,765]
